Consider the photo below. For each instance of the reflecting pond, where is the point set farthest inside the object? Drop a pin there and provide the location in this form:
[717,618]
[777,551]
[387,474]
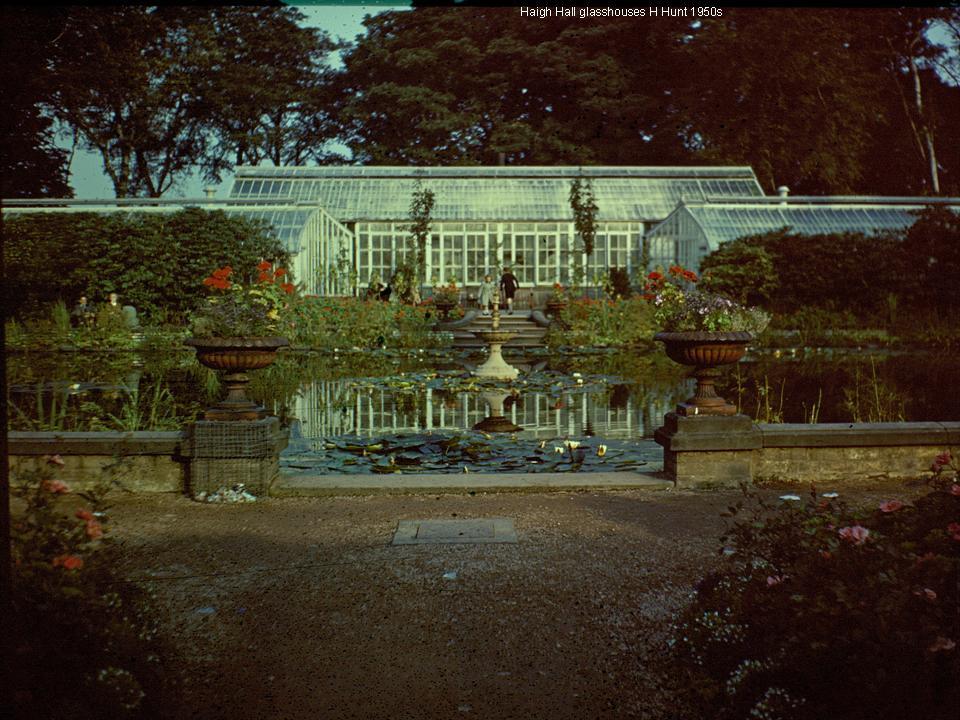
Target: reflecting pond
[336,403]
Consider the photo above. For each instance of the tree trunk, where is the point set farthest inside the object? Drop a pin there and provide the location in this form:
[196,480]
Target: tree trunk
[931,155]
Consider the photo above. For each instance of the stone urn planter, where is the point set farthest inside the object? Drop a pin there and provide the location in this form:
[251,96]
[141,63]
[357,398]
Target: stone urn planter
[444,307]
[707,352]
[236,356]
[554,310]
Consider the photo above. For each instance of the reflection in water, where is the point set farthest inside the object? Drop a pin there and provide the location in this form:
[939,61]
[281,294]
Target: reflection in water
[328,408]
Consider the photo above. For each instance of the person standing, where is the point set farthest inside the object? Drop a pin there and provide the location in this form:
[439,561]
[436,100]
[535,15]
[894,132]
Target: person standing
[83,313]
[508,288]
[486,294]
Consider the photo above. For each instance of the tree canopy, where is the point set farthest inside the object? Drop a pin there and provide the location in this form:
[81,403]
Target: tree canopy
[827,101]
[158,92]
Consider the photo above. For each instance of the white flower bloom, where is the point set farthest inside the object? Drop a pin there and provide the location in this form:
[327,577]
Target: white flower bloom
[790,497]
[601,450]
[831,495]
[558,450]
[572,444]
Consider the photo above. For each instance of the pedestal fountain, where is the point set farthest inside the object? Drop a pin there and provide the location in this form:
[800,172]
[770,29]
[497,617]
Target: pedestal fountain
[496,421]
[495,367]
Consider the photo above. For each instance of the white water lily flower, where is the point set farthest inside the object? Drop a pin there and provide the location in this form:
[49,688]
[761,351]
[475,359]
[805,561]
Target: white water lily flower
[579,381]
[575,374]
[543,444]
[558,450]
[572,444]
[790,497]
[601,450]
[831,495]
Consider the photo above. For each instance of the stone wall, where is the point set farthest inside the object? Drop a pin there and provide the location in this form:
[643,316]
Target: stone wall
[204,457]
[140,461]
[727,451]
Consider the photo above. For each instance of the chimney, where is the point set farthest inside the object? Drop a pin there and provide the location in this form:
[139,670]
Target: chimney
[783,191]
[209,192]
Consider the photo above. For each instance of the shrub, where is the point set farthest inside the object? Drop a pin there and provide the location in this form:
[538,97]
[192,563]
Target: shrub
[819,611]
[619,283]
[336,322]
[604,322]
[84,640]
[156,262]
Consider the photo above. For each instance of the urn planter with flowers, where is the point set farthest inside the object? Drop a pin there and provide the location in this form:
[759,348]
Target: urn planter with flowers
[703,330]
[557,303]
[446,298]
[238,330]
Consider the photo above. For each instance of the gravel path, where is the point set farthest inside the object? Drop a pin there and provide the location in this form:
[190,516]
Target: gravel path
[300,607]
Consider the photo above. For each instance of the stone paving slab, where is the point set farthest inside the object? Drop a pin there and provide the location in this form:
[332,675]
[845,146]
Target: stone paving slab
[444,532]
[395,483]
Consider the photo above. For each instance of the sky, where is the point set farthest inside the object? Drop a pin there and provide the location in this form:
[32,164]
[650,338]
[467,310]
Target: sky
[342,21]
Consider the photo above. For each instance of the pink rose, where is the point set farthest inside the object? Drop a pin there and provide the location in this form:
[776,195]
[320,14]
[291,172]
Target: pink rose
[94,530]
[856,534]
[56,487]
[54,460]
[942,643]
[775,580]
[891,506]
[954,530]
[927,593]
[955,489]
[941,461]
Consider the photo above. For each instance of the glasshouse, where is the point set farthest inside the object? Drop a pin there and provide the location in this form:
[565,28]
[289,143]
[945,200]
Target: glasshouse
[348,226]
[697,228]
[485,218]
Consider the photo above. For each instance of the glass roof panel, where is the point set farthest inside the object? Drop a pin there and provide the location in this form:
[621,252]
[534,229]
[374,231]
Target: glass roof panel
[724,222]
[494,194]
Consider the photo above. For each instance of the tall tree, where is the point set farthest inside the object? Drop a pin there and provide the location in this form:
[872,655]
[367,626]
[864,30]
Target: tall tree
[475,85]
[30,163]
[270,99]
[901,39]
[161,91]
[780,90]
[129,80]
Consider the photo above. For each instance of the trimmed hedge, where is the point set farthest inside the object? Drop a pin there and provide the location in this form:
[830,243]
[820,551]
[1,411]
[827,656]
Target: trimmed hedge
[154,261]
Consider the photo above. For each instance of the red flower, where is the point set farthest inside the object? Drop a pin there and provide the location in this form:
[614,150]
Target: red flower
[287,288]
[263,277]
[655,276]
[217,282]
[891,506]
[68,562]
[955,489]
[263,265]
[279,272]
[84,515]
[94,529]
[954,530]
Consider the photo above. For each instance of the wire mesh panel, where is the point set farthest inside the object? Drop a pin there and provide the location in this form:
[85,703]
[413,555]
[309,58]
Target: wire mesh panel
[226,454]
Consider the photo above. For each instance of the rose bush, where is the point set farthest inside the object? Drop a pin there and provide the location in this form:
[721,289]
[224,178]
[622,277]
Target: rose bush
[85,641]
[819,611]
